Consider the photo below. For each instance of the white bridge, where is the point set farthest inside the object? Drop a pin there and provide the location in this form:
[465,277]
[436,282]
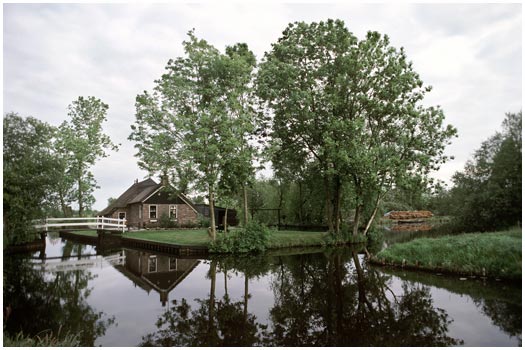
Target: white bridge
[80,264]
[94,223]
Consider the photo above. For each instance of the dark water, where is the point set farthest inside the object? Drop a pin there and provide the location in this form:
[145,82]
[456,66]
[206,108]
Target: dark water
[326,298]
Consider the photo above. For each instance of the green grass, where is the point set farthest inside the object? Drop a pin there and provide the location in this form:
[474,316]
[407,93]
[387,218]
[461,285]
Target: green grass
[288,239]
[198,237]
[493,254]
[91,233]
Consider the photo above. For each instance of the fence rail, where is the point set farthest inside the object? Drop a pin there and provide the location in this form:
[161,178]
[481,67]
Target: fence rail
[99,222]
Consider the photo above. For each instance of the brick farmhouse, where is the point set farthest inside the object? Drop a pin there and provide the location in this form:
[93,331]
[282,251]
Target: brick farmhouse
[143,204]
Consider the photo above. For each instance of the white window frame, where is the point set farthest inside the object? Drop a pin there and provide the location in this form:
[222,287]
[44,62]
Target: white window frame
[152,258]
[140,211]
[173,268]
[149,211]
[172,206]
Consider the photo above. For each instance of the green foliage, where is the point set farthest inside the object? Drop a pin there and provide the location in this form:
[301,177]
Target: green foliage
[45,340]
[203,221]
[375,241]
[199,118]
[498,254]
[487,194]
[30,173]
[251,238]
[80,143]
[352,110]
[165,221]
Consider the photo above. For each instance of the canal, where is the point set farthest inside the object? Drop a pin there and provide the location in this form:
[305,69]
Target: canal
[316,297]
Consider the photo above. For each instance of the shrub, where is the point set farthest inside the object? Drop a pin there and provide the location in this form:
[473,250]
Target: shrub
[165,221]
[203,221]
[42,340]
[251,238]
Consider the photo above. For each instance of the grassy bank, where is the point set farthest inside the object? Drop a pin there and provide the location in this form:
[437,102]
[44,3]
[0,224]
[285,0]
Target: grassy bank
[288,239]
[90,233]
[493,254]
[200,237]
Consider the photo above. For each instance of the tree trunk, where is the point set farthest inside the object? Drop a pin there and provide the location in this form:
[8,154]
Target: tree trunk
[357,218]
[245,200]
[328,205]
[80,207]
[301,203]
[212,231]
[225,220]
[369,223]
[245,297]
[211,325]
[337,206]
[62,203]
[226,283]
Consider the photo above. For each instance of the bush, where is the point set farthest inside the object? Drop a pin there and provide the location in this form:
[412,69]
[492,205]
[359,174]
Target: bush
[165,221]
[375,241]
[203,221]
[43,340]
[252,238]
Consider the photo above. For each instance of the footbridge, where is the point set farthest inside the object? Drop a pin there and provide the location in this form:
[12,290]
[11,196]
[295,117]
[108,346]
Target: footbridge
[93,223]
[85,262]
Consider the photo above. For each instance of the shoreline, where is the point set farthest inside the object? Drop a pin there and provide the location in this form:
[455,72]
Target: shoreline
[493,255]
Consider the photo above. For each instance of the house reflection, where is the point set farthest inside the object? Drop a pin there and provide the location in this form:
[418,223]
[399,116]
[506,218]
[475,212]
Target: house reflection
[159,272]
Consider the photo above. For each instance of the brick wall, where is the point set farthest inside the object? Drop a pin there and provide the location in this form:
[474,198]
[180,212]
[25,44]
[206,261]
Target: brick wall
[185,215]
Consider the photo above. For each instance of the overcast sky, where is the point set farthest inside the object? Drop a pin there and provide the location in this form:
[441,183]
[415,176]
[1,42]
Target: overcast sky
[53,53]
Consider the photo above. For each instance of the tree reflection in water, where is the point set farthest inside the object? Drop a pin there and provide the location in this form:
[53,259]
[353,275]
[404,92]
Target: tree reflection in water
[319,300]
[214,322]
[56,302]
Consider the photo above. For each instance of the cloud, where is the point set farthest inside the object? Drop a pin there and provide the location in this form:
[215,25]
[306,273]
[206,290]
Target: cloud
[53,53]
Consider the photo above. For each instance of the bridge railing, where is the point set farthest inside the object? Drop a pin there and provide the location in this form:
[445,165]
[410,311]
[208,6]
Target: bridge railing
[99,222]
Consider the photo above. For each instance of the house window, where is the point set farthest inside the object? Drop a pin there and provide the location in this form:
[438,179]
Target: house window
[121,215]
[140,211]
[173,212]
[152,211]
[173,264]
[152,263]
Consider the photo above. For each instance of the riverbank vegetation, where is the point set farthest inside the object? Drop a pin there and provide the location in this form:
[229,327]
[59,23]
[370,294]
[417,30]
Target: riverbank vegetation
[45,340]
[47,168]
[486,195]
[494,254]
[238,240]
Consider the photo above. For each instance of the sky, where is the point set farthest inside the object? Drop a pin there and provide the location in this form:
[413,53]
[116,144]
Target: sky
[471,54]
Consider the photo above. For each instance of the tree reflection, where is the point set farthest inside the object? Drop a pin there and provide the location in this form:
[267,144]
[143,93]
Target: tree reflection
[334,301]
[214,322]
[501,302]
[319,300]
[50,302]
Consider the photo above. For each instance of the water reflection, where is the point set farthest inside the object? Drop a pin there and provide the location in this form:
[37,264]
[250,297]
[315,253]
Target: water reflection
[324,298]
[155,271]
[321,300]
[42,302]
[214,322]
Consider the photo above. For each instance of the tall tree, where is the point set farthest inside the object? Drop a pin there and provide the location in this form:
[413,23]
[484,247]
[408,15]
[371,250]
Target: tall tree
[198,118]
[30,174]
[487,193]
[81,142]
[351,108]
